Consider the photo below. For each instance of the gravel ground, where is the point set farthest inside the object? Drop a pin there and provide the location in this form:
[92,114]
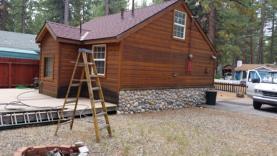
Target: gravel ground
[189,131]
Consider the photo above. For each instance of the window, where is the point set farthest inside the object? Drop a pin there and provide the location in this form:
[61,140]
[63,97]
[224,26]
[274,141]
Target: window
[179,25]
[252,75]
[48,67]
[100,58]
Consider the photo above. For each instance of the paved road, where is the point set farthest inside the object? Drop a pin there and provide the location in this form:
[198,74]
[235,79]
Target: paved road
[266,111]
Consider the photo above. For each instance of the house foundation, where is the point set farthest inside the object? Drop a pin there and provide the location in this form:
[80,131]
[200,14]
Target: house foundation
[136,101]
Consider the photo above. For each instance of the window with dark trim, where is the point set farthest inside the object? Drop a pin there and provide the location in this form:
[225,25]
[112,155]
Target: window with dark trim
[48,66]
[100,58]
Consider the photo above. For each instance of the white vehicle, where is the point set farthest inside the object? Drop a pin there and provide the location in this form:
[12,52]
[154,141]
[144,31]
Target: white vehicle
[265,92]
[254,77]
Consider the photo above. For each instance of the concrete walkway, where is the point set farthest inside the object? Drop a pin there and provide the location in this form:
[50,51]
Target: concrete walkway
[32,98]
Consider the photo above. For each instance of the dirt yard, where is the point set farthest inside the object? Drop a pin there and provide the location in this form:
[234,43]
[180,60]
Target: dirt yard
[190,131]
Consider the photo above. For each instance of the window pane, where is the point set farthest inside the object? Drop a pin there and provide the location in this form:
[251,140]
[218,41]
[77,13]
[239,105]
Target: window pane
[179,18]
[48,66]
[100,65]
[99,52]
[178,31]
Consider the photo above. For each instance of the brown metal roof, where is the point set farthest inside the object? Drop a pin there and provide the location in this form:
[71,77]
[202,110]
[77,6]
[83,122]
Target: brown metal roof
[107,26]
[65,31]
[246,67]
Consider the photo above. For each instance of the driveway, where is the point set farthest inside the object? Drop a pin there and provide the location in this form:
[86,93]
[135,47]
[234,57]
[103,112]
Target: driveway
[229,102]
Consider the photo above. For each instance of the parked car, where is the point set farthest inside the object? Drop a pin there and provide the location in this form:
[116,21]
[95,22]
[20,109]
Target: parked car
[265,92]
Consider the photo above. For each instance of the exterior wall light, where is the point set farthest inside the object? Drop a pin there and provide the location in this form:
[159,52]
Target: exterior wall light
[213,57]
[190,56]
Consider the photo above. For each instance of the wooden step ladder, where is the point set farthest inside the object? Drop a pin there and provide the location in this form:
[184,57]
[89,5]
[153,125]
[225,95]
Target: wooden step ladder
[85,60]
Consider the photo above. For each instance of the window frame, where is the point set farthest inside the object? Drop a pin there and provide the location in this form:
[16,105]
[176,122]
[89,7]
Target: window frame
[51,75]
[105,56]
[185,25]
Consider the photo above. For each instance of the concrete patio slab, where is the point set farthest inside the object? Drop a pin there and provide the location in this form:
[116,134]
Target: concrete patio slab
[36,101]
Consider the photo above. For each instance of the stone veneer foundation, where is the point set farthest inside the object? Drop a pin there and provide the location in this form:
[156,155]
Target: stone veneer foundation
[135,101]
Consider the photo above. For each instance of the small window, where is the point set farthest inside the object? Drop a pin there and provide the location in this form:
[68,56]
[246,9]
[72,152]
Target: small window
[179,26]
[48,67]
[100,58]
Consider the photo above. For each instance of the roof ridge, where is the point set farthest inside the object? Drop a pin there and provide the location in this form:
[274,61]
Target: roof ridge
[127,11]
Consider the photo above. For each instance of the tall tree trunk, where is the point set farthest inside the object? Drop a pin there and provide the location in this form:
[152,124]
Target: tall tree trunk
[272,36]
[261,35]
[66,12]
[3,14]
[251,50]
[212,24]
[23,15]
[107,7]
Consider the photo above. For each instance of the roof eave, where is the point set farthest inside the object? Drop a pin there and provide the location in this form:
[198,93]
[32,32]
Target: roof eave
[43,31]
[67,40]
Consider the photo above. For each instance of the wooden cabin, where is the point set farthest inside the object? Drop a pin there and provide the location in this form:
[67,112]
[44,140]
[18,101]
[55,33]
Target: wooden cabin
[155,47]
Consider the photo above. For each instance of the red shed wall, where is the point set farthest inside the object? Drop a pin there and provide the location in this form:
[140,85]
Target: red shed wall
[17,72]
[152,58]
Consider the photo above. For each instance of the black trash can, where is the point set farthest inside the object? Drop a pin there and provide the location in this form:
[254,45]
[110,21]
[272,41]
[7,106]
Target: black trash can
[211,97]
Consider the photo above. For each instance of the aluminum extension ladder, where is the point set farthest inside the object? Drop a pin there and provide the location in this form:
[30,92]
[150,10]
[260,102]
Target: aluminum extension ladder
[15,119]
[85,62]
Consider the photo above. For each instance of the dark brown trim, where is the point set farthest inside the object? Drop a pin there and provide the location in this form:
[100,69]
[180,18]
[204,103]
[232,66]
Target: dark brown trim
[66,40]
[101,41]
[160,88]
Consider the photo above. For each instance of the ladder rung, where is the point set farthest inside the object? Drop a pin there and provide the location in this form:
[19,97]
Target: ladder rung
[98,101]
[71,101]
[93,76]
[103,126]
[83,64]
[95,88]
[80,80]
[80,64]
[101,114]
[75,84]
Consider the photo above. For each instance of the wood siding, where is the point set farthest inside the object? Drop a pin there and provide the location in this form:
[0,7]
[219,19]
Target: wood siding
[15,72]
[152,58]
[49,48]
[68,53]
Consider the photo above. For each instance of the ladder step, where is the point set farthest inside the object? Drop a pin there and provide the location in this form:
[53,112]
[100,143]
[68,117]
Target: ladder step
[95,88]
[82,64]
[75,84]
[101,113]
[81,80]
[93,76]
[103,126]
[98,101]
[70,101]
